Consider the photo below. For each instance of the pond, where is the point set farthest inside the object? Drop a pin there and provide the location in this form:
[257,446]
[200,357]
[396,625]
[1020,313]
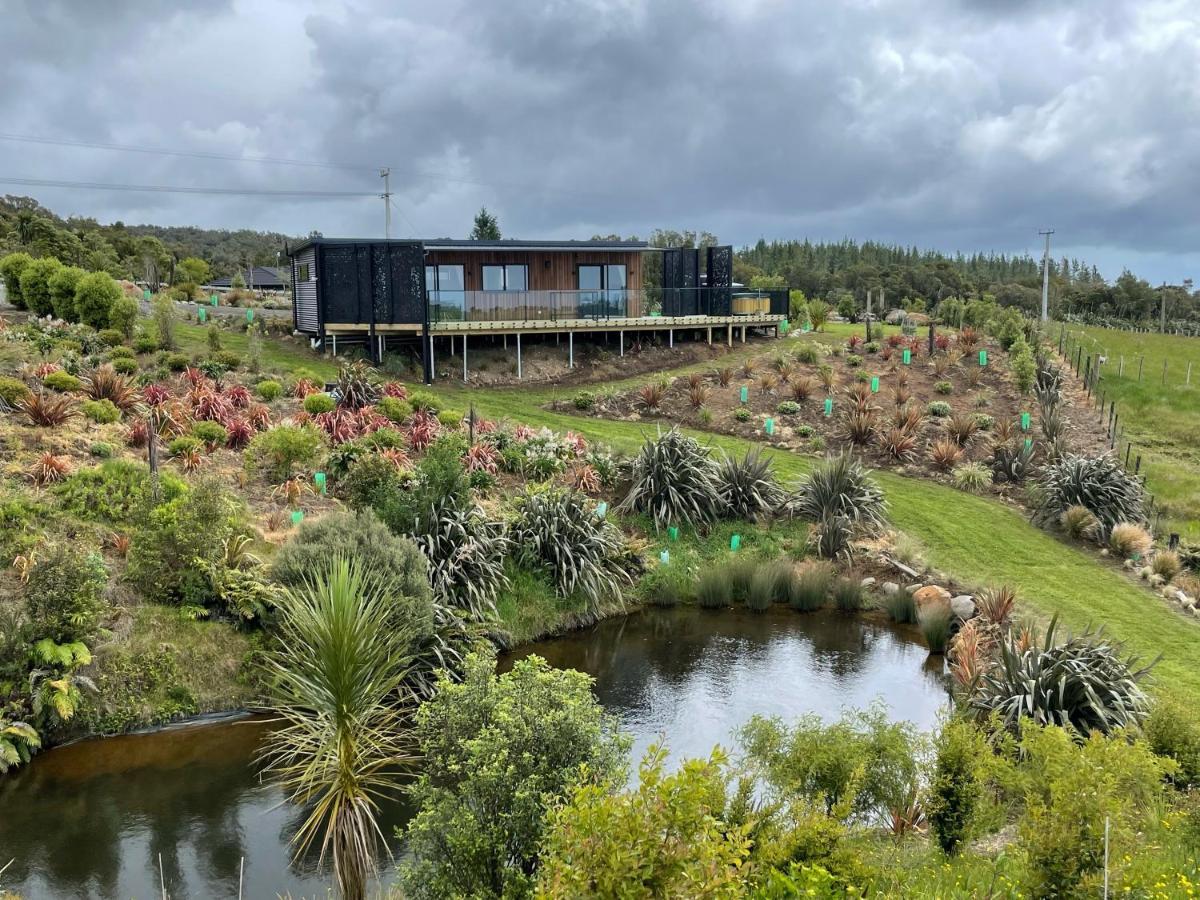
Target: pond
[93,819]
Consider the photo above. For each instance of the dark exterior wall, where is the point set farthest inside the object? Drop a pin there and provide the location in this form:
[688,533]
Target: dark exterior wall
[304,293]
[383,282]
[548,271]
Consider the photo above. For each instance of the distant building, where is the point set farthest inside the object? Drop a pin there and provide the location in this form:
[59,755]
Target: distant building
[258,278]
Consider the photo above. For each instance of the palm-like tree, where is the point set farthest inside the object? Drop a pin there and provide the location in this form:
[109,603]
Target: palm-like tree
[336,683]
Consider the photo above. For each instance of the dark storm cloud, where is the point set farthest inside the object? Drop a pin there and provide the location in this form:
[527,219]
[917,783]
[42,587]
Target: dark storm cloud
[962,125]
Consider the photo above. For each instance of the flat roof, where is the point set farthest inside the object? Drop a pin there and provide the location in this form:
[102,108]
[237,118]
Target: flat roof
[502,244]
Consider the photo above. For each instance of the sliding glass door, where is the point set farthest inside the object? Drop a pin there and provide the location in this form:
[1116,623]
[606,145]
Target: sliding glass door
[602,291]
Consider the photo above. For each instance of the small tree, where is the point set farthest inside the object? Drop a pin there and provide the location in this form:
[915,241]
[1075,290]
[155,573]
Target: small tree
[486,226]
[63,285]
[163,314]
[11,267]
[35,284]
[192,270]
[1023,365]
[94,298]
[65,594]
[238,282]
[123,315]
[499,752]
[955,790]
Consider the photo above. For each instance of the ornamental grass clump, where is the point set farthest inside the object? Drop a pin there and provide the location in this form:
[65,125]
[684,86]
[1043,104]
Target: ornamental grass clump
[936,620]
[1085,682]
[714,589]
[769,585]
[1078,522]
[675,481]
[1099,484]
[809,589]
[582,553]
[747,487]
[1128,540]
[841,487]
[848,593]
[901,607]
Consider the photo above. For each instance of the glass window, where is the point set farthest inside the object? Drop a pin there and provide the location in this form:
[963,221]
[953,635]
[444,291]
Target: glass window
[505,278]
[303,272]
[450,278]
[615,278]
[591,278]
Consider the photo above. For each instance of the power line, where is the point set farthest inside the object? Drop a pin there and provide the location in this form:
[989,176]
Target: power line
[173,189]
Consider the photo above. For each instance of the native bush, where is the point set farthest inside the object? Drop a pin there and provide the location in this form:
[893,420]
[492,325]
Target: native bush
[46,410]
[582,553]
[1166,564]
[357,385]
[1011,463]
[901,607]
[213,434]
[1173,731]
[124,365]
[465,551]
[64,597]
[972,477]
[498,752]
[848,593]
[1128,540]
[393,409]
[1099,484]
[713,588]
[666,586]
[811,587]
[115,492]
[269,389]
[12,390]
[11,267]
[1022,364]
[747,487]
[1085,682]
[280,450]
[936,621]
[60,380]
[939,409]
[35,285]
[841,486]
[63,284]
[956,789]
[1078,522]
[103,412]
[122,315]
[675,481]
[94,298]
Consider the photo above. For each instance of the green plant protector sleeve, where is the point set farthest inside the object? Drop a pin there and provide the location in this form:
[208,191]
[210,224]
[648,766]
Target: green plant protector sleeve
[745,394]
[735,541]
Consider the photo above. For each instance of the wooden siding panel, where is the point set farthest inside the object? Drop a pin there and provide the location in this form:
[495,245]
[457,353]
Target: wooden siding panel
[548,271]
[304,310]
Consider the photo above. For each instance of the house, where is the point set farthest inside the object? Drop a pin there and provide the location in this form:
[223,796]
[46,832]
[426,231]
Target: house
[257,278]
[445,290]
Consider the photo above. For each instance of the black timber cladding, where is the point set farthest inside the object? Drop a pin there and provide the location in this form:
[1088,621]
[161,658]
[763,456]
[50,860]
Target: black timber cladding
[371,283]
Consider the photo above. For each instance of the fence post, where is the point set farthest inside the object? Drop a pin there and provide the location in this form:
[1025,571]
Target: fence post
[1188,380]
[1141,362]
[1164,377]
[1121,374]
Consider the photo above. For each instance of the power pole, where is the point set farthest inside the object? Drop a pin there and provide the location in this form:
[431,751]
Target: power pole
[386,175]
[1046,276]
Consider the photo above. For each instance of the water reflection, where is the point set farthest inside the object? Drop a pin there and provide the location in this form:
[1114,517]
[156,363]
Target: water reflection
[93,819]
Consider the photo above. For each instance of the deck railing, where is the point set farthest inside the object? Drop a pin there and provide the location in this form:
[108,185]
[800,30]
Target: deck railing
[551,306]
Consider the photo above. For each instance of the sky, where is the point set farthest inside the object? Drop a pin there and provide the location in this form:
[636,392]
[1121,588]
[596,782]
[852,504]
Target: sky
[960,125]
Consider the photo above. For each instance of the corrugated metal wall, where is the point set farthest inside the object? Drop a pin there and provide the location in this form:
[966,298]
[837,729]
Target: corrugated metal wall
[304,293]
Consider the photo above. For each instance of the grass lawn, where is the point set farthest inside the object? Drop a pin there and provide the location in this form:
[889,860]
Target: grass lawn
[277,354]
[1160,419]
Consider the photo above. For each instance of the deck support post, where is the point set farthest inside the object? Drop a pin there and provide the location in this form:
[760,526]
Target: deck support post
[334,336]
[464,337]
[743,334]
[710,335]
[518,356]
[570,349]
[621,345]
[506,340]
[729,336]
[432,362]
[671,338]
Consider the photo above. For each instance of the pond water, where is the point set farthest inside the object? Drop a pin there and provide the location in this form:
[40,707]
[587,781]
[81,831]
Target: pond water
[94,818]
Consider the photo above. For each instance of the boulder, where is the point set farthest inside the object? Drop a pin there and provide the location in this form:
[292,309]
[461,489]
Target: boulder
[931,593]
[868,582]
[890,588]
[963,606]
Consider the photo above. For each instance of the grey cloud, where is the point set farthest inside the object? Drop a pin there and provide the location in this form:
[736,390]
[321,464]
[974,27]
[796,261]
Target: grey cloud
[963,125]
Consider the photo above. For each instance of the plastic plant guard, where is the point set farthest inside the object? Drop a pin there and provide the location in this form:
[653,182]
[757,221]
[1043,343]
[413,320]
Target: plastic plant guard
[745,393]
[319,481]
[828,406]
[672,533]
[297,517]
[665,557]
[983,357]
[1024,421]
[602,509]
[874,384]
[907,357]
[770,426]
[735,541]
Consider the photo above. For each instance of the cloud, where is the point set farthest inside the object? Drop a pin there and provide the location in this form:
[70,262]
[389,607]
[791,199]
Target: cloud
[961,125]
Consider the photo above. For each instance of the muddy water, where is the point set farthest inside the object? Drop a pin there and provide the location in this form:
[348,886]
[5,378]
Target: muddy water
[93,819]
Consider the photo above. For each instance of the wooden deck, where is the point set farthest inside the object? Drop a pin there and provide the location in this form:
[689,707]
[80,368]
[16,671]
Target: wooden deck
[549,326]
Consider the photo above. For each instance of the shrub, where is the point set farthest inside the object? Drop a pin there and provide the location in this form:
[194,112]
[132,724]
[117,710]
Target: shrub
[173,553]
[228,360]
[213,434]
[956,789]
[1021,361]
[675,481]
[498,753]
[124,365]
[176,362]
[747,487]
[64,597]
[1099,484]
[584,400]
[939,409]
[425,402]
[768,585]
[12,390]
[742,414]
[315,404]
[650,396]
[936,620]
[144,343]
[94,298]
[162,312]
[1128,540]
[11,267]
[279,450]
[848,593]
[357,385]
[391,408]
[269,390]
[62,381]
[63,284]
[105,383]
[117,492]
[713,588]
[943,387]
[580,551]
[808,354]
[1173,731]
[185,445]
[1011,463]
[665,587]
[811,587]
[983,421]
[971,477]
[103,412]
[945,454]
[901,607]
[466,552]
[841,486]
[101,450]
[122,315]
[1084,682]
[450,418]
[35,285]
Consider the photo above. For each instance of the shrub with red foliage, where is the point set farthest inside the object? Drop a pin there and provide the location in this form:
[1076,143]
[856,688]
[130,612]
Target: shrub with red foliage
[304,387]
[396,457]
[369,420]
[45,410]
[194,376]
[485,426]
[138,433]
[523,433]
[941,341]
[482,458]
[968,337]
[576,442]
[238,396]
[156,394]
[259,416]
[854,342]
[894,340]
[395,389]
[885,354]
[46,368]
[340,424]
[209,406]
[423,429]
[239,432]
[50,469]
[584,477]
